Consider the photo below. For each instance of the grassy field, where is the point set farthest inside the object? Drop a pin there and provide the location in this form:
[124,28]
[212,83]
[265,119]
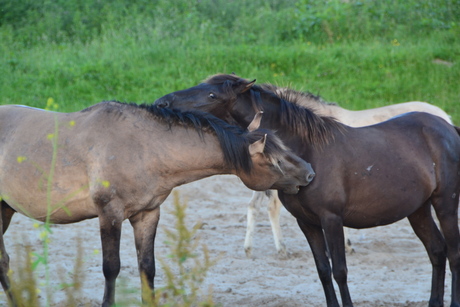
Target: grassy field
[359,54]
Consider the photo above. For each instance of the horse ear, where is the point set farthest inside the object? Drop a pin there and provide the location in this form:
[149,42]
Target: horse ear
[254,125]
[242,86]
[258,146]
[248,86]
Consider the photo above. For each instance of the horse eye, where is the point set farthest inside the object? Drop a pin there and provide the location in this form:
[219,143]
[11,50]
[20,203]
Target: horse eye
[212,96]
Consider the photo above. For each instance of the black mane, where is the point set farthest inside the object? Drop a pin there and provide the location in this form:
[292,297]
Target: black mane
[301,120]
[233,140]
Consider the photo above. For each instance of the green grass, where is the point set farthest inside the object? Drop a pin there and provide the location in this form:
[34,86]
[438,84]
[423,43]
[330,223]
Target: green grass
[360,54]
[355,74]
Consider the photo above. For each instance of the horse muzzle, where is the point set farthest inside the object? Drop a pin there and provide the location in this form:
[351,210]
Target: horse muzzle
[163,102]
[305,180]
[310,175]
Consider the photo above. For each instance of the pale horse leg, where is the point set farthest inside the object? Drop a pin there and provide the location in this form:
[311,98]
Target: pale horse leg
[253,208]
[274,207]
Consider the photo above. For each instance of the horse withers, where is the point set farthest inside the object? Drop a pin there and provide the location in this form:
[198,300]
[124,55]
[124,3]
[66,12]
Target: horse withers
[118,161]
[365,177]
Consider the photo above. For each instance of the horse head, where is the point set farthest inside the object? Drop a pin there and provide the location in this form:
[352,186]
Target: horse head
[217,95]
[272,161]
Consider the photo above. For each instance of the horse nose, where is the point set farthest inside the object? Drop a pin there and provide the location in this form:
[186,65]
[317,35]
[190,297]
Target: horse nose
[310,177]
[162,103]
[310,173]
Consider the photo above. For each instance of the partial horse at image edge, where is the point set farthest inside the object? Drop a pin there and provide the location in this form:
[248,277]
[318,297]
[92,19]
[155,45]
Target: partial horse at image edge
[113,152]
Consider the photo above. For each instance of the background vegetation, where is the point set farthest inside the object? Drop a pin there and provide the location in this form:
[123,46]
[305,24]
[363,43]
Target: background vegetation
[360,54]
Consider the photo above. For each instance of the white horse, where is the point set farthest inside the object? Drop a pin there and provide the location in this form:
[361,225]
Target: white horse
[351,118]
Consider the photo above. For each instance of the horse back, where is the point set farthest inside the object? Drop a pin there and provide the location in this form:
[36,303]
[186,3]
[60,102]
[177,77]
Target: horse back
[90,151]
[379,174]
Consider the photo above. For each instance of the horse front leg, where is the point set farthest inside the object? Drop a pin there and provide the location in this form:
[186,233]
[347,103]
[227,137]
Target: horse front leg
[110,220]
[315,238]
[333,231]
[145,226]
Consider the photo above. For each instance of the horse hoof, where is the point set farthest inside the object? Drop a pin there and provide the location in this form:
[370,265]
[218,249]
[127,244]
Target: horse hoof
[282,253]
[248,252]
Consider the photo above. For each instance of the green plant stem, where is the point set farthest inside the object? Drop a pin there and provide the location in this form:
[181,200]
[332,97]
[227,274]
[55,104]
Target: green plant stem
[49,208]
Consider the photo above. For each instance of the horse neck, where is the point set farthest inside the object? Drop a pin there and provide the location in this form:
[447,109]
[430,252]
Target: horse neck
[316,128]
[270,105]
[186,157]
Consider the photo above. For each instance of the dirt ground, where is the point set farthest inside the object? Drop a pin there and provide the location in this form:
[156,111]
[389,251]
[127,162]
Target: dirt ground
[388,268]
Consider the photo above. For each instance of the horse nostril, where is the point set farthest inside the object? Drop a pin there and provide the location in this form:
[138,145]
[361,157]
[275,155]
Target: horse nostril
[162,104]
[310,177]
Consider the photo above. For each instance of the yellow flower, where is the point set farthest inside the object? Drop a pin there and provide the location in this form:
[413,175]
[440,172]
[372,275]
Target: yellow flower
[49,103]
[72,123]
[44,235]
[105,183]
[21,159]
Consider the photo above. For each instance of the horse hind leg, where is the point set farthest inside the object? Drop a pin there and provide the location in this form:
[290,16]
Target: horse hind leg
[253,208]
[7,214]
[5,219]
[426,230]
[446,208]
[274,207]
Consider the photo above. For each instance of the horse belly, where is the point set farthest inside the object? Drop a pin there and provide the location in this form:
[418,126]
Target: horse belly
[389,190]
[74,211]
[60,210]
[65,200]
[382,209]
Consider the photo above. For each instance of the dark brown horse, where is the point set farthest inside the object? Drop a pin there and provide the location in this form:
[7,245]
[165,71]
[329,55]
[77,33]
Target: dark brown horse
[366,177]
[119,161]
